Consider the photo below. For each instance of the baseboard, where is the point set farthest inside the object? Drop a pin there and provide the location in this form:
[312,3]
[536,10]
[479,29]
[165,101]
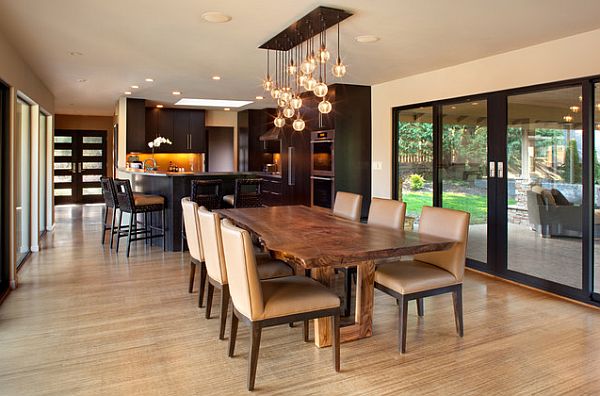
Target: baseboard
[13,284]
[50,227]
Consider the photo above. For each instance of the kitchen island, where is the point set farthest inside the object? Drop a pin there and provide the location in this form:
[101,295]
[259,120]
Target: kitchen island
[173,186]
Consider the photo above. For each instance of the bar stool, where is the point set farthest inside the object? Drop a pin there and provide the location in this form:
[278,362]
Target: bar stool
[138,204]
[247,194]
[110,202]
[205,193]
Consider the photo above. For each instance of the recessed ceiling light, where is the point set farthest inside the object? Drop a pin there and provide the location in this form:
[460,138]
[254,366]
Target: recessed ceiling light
[127,92]
[215,17]
[75,53]
[216,77]
[474,103]
[149,80]
[212,102]
[259,98]
[366,39]
[135,86]
[226,109]
[176,93]
[159,106]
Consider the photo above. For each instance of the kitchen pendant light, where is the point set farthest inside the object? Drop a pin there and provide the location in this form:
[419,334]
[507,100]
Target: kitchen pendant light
[296,102]
[339,69]
[288,112]
[279,121]
[298,124]
[324,106]
[320,89]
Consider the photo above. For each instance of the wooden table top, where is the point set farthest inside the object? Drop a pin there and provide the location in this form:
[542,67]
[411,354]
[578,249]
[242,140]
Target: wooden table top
[315,238]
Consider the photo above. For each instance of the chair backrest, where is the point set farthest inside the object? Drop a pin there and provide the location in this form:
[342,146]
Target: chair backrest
[387,213]
[248,193]
[244,283]
[108,192]
[192,228]
[207,193]
[124,195]
[212,244]
[347,205]
[450,224]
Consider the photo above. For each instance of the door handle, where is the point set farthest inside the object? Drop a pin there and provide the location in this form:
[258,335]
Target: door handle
[80,167]
[291,175]
[190,141]
[500,171]
[74,167]
[492,169]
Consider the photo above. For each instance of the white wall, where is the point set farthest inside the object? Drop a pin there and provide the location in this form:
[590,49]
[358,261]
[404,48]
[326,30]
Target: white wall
[571,57]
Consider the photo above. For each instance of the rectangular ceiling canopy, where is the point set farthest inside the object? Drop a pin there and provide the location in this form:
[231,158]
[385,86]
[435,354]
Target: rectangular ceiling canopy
[310,25]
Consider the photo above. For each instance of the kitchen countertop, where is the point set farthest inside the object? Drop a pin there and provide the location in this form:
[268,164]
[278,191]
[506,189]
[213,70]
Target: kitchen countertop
[180,174]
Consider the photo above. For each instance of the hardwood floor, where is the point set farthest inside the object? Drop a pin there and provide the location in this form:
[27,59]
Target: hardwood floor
[88,321]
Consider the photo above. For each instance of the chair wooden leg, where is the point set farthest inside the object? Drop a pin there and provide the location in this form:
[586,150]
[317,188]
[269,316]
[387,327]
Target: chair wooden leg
[209,298]
[254,348]
[403,308]
[192,276]
[112,226]
[202,283]
[305,330]
[131,227]
[224,306]
[164,233]
[119,230]
[105,217]
[335,324]
[420,307]
[458,309]
[232,334]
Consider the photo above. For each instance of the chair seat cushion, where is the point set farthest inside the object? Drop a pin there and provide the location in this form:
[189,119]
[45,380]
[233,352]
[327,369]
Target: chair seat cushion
[411,276]
[294,295]
[148,200]
[229,199]
[270,268]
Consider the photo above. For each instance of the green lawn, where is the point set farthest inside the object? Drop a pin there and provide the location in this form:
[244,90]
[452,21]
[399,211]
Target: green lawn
[474,204]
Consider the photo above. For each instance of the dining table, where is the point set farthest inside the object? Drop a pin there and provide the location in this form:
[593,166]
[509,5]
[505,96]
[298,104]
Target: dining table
[314,239]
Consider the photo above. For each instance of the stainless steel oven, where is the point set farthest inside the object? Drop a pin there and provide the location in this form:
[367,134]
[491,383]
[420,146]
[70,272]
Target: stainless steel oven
[322,153]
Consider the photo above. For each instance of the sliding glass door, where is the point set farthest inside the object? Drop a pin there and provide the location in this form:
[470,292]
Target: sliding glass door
[42,173]
[4,190]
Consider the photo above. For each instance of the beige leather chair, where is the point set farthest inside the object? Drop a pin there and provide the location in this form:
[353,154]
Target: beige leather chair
[271,302]
[192,230]
[387,213]
[429,274]
[347,205]
[215,264]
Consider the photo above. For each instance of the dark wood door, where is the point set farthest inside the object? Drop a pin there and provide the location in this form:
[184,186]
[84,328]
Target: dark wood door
[79,162]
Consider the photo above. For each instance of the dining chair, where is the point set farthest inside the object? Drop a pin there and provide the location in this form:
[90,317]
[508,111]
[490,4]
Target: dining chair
[214,257]
[388,213]
[205,193]
[264,303]
[192,230]
[247,194]
[347,205]
[429,274]
[110,202]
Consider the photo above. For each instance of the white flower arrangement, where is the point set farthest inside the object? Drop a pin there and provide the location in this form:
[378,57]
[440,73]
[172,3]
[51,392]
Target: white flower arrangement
[158,141]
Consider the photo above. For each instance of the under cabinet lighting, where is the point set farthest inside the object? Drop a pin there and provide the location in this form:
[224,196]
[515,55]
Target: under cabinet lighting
[212,102]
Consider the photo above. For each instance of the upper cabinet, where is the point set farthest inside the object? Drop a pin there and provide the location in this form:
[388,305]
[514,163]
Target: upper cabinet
[184,128]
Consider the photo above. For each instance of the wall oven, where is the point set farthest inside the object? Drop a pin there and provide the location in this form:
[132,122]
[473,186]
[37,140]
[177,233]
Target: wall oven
[322,191]
[322,153]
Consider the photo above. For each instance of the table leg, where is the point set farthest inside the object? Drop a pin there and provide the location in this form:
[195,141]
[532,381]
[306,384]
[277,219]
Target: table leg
[363,326]
[323,336]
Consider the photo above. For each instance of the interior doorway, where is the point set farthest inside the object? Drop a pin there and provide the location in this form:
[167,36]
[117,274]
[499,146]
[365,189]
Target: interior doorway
[79,163]
[219,156]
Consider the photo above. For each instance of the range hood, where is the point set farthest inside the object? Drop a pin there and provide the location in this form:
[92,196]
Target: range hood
[272,134]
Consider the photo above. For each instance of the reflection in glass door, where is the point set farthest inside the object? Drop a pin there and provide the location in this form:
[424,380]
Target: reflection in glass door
[415,159]
[463,165]
[23,179]
[42,173]
[544,175]
[596,257]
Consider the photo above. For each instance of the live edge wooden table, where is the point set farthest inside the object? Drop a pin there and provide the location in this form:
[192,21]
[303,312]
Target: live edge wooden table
[312,238]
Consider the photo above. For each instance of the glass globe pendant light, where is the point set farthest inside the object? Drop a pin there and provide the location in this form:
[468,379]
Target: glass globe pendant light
[324,106]
[320,89]
[339,69]
[298,124]
[279,121]
[286,94]
[267,82]
[275,93]
[288,112]
[296,102]
[281,102]
[310,83]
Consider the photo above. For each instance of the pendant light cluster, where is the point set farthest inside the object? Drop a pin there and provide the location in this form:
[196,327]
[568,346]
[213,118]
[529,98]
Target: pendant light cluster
[301,65]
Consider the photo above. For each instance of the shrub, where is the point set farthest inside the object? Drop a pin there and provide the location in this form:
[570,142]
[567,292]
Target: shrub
[416,182]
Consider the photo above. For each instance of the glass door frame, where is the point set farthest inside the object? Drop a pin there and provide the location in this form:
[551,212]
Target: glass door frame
[5,208]
[497,187]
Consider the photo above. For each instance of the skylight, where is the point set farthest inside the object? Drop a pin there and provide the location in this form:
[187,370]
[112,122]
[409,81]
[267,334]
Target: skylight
[212,102]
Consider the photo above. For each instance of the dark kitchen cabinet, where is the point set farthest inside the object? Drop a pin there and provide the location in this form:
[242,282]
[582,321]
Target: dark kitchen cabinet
[136,126]
[198,137]
[185,129]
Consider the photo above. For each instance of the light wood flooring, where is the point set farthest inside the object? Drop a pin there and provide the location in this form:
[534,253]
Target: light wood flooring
[87,321]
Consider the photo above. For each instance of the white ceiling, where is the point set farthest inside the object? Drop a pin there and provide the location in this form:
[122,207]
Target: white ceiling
[125,41]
